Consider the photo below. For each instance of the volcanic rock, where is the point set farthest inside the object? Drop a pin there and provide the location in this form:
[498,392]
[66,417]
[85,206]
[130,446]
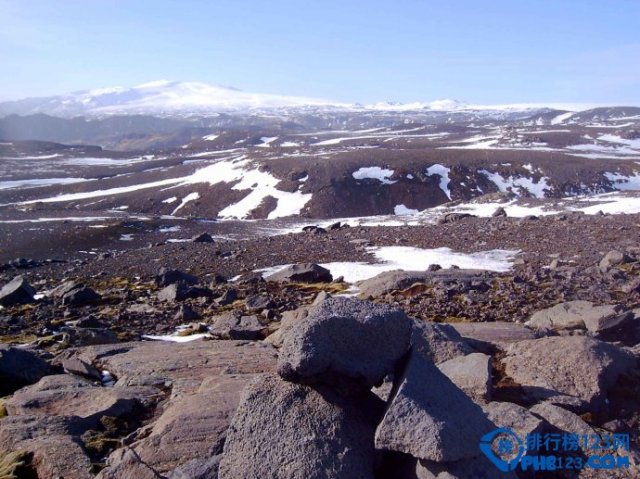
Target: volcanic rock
[303,273]
[471,373]
[167,277]
[429,417]
[287,430]
[235,326]
[576,366]
[343,339]
[19,367]
[16,291]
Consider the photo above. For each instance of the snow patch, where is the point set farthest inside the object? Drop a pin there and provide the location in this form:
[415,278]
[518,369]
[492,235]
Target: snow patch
[402,210]
[374,173]
[443,172]
[190,197]
[535,188]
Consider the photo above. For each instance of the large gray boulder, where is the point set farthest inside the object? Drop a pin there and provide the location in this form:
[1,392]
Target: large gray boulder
[512,416]
[576,366]
[19,367]
[471,373]
[429,417]
[303,273]
[344,339]
[439,342]
[290,431]
[579,315]
[16,291]
[563,420]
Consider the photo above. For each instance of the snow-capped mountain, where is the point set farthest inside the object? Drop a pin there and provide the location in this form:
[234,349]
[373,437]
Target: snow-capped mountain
[170,98]
[158,98]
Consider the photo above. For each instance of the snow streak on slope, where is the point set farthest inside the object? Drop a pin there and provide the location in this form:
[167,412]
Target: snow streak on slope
[261,185]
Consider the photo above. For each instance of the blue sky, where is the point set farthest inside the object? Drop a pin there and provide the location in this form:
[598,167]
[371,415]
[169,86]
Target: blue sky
[491,51]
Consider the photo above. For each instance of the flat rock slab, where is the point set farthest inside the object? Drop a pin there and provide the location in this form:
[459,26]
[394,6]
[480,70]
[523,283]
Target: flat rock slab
[183,366]
[397,280]
[579,315]
[496,333]
[429,417]
[193,425]
[345,340]
[575,366]
[204,380]
[67,395]
[54,442]
[291,431]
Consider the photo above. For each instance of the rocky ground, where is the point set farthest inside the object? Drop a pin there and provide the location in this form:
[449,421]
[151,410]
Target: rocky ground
[177,313]
[274,364]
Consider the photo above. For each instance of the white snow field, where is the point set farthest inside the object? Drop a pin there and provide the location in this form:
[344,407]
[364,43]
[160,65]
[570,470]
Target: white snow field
[413,259]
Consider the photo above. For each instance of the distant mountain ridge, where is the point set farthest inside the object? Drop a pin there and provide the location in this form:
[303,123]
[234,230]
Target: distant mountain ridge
[171,98]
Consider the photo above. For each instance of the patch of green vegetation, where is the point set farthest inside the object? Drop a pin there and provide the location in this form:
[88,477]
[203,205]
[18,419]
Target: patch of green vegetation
[3,409]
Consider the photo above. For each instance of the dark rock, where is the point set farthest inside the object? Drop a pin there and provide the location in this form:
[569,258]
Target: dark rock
[228,297]
[17,291]
[232,326]
[80,296]
[64,288]
[186,313]
[89,336]
[258,302]
[344,340]
[500,212]
[180,291]
[314,230]
[454,217]
[304,273]
[89,322]
[20,367]
[174,292]
[202,238]
[287,430]
[167,277]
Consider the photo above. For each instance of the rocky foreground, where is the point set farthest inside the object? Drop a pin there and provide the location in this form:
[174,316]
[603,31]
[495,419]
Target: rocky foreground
[284,377]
